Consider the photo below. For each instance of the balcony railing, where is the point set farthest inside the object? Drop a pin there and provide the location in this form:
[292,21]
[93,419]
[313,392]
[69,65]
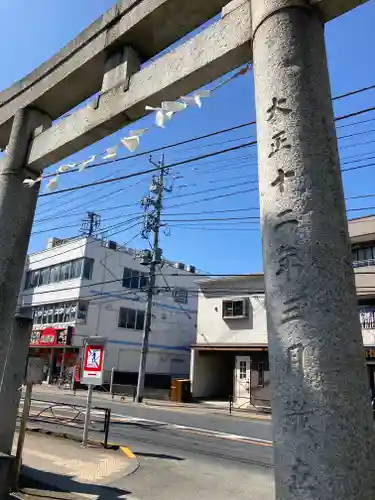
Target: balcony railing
[367,317]
[364,263]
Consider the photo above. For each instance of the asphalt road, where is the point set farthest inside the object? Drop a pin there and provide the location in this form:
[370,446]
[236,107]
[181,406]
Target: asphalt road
[185,452]
[195,417]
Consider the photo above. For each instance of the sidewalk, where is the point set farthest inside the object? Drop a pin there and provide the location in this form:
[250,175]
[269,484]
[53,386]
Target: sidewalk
[53,465]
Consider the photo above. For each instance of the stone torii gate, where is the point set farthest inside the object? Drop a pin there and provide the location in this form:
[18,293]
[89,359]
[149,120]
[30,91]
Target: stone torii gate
[323,429]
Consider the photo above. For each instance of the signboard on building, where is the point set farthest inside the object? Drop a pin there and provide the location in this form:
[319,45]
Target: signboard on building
[50,337]
[370,354]
[367,317]
[93,361]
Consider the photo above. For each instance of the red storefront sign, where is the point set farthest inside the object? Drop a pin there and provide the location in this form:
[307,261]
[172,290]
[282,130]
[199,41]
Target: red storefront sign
[49,337]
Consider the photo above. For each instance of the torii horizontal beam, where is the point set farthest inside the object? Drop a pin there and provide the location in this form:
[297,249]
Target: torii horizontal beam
[77,71]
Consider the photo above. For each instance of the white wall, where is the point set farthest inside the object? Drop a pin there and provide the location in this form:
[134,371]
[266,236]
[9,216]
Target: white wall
[213,329]
[54,292]
[173,327]
[368,337]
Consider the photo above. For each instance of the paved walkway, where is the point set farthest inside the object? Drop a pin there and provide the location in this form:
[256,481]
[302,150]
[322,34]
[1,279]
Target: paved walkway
[56,464]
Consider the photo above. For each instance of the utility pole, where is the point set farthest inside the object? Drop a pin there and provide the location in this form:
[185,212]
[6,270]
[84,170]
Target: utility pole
[151,224]
[90,224]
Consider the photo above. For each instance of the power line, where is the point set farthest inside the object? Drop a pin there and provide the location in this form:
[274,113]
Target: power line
[115,226]
[184,162]
[360,122]
[245,163]
[161,148]
[349,169]
[150,170]
[194,202]
[212,219]
[203,192]
[75,224]
[214,277]
[353,92]
[221,131]
[356,113]
[73,214]
[107,176]
[205,228]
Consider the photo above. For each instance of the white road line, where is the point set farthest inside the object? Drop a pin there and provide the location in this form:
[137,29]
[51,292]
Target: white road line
[199,430]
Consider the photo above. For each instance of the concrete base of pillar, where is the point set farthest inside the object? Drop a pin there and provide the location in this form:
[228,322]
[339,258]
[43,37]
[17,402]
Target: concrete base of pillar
[6,475]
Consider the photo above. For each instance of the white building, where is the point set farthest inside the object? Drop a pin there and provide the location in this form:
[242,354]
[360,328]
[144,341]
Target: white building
[84,287]
[230,355]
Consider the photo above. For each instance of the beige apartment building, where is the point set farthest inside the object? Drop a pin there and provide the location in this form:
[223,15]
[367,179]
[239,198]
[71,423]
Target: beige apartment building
[230,355]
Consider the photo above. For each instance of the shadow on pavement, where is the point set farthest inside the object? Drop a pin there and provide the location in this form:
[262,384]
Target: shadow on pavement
[61,487]
[158,455]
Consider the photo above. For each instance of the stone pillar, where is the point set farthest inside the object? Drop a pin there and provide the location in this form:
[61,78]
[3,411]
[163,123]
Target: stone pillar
[17,207]
[323,428]
[14,375]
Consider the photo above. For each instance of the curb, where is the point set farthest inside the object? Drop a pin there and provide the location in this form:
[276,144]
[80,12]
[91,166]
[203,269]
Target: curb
[128,452]
[72,437]
[239,413]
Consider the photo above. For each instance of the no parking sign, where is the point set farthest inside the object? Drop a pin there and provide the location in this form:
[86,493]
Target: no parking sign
[93,360]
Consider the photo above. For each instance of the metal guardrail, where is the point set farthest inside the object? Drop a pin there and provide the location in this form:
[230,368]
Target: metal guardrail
[70,415]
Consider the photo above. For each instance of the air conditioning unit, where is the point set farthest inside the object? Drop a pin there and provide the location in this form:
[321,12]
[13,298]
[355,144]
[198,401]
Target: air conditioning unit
[55,242]
[236,308]
[179,265]
[112,245]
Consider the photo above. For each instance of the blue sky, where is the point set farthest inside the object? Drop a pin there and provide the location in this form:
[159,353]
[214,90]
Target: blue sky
[31,32]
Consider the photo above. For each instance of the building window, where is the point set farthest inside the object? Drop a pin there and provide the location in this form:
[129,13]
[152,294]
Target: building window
[363,257]
[234,309]
[77,268]
[367,317]
[44,276]
[88,266]
[180,295]
[82,312]
[34,278]
[134,279]
[134,282]
[54,276]
[65,271]
[140,321]
[242,370]
[261,374]
[131,318]
[59,313]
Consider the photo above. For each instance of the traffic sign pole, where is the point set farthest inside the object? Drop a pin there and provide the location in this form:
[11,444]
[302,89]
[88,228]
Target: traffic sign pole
[92,374]
[87,416]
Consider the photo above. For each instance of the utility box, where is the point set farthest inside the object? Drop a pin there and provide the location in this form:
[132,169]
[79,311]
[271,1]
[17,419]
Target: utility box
[180,390]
